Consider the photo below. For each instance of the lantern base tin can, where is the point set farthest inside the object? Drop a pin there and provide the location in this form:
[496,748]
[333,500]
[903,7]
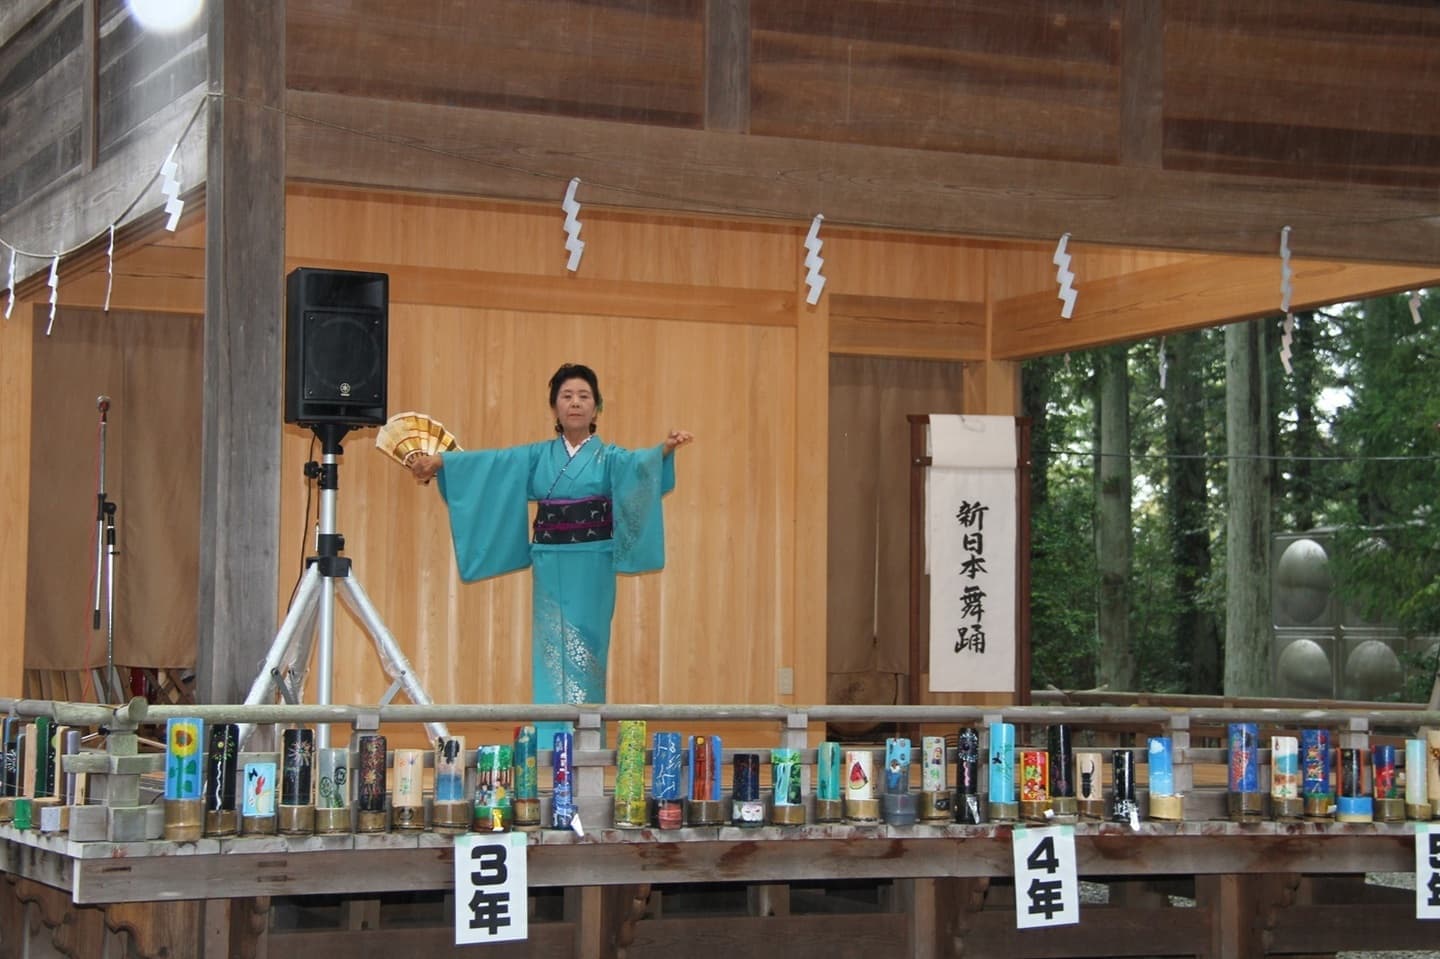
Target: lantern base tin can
[1319,806]
[1065,808]
[669,814]
[184,819]
[1420,812]
[936,806]
[787,815]
[1167,808]
[1355,809]
[631,814]
[220,823]
[747,813]
[7,809]
[899,809]
[527,814]
[1035,810]
[1244,807]
[295,820]
[371,820]
[257,825]
[491,818]
[829,810]
[332,821]
[409,818]
[1287,808]
[862,812]
[451,816]
[705,812]
[1090,808]
[1390,810]
[968,809]
[1004,811]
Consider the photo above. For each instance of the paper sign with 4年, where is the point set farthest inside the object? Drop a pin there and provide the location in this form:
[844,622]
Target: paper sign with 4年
[1427,870]
[490,888]
[1047,892]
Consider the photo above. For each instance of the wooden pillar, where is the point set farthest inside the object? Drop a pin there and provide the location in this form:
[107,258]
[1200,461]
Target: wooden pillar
[992,388]
[810,473]
[244,324]
[17,338]
[1231,901]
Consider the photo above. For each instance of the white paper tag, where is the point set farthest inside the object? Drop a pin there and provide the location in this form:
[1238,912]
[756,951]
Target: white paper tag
[490,888]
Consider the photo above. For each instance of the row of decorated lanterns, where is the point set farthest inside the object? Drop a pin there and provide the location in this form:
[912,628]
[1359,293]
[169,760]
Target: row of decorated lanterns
[302,790]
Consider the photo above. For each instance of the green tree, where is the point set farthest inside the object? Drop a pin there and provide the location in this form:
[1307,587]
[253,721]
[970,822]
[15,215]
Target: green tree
[1387,557]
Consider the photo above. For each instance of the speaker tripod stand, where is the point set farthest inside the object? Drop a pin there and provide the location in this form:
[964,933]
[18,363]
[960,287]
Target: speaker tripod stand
[310,621]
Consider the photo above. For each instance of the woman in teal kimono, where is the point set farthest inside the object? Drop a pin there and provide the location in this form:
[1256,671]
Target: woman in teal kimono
[598,515]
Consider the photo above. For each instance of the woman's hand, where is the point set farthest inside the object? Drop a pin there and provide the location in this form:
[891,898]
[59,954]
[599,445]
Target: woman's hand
[425,466]
[676,439]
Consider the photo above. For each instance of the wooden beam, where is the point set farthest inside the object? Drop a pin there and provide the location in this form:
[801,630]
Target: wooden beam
[436,286]
[727,65]
[335,138]
[895,326]
[777,854]
[244,312]
[1142,83]
[1202,292]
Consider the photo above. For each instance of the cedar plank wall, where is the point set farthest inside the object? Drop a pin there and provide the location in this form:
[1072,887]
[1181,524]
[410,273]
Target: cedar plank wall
[689,324]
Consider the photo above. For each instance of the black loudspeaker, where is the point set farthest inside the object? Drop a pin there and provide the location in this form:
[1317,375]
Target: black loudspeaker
[335,347]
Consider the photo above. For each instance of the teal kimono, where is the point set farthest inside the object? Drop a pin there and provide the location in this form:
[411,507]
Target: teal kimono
[573,571]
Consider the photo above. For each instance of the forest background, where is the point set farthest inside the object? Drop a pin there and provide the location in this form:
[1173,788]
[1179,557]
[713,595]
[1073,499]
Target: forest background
[1164,470]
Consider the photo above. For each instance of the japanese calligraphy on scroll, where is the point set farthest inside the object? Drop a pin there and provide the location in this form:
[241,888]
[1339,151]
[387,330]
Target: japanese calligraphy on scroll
[970,532]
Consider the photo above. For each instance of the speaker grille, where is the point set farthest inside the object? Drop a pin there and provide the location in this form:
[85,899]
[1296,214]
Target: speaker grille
[343,358]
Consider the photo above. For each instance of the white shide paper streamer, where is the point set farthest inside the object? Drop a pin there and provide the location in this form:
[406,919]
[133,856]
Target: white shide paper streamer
[170,186]
[814,280]
[10,284]
[1064,277]
[1287,288]
[573,243]
[54,283]
[110,268]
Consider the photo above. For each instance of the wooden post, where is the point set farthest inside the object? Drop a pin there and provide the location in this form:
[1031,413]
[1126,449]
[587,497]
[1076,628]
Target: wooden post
[244,312]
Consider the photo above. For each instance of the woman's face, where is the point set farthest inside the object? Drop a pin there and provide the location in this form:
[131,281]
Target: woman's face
[575,405]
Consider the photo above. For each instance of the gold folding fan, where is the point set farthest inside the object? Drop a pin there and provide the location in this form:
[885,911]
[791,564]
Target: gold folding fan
[408,435]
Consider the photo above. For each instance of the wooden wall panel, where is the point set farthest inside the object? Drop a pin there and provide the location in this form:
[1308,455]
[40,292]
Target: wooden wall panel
[904,296]
[41,71]
[717,623]
[142,71]
[1027,78]
[612,59]
[1326,91]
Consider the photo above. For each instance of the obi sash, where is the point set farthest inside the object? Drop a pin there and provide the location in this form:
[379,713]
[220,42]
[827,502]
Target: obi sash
[560,522]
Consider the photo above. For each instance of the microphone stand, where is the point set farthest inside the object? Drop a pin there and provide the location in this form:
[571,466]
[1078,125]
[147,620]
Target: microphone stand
[105,551]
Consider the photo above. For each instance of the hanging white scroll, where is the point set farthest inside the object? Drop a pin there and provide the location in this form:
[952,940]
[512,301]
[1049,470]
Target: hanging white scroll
[970,536]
